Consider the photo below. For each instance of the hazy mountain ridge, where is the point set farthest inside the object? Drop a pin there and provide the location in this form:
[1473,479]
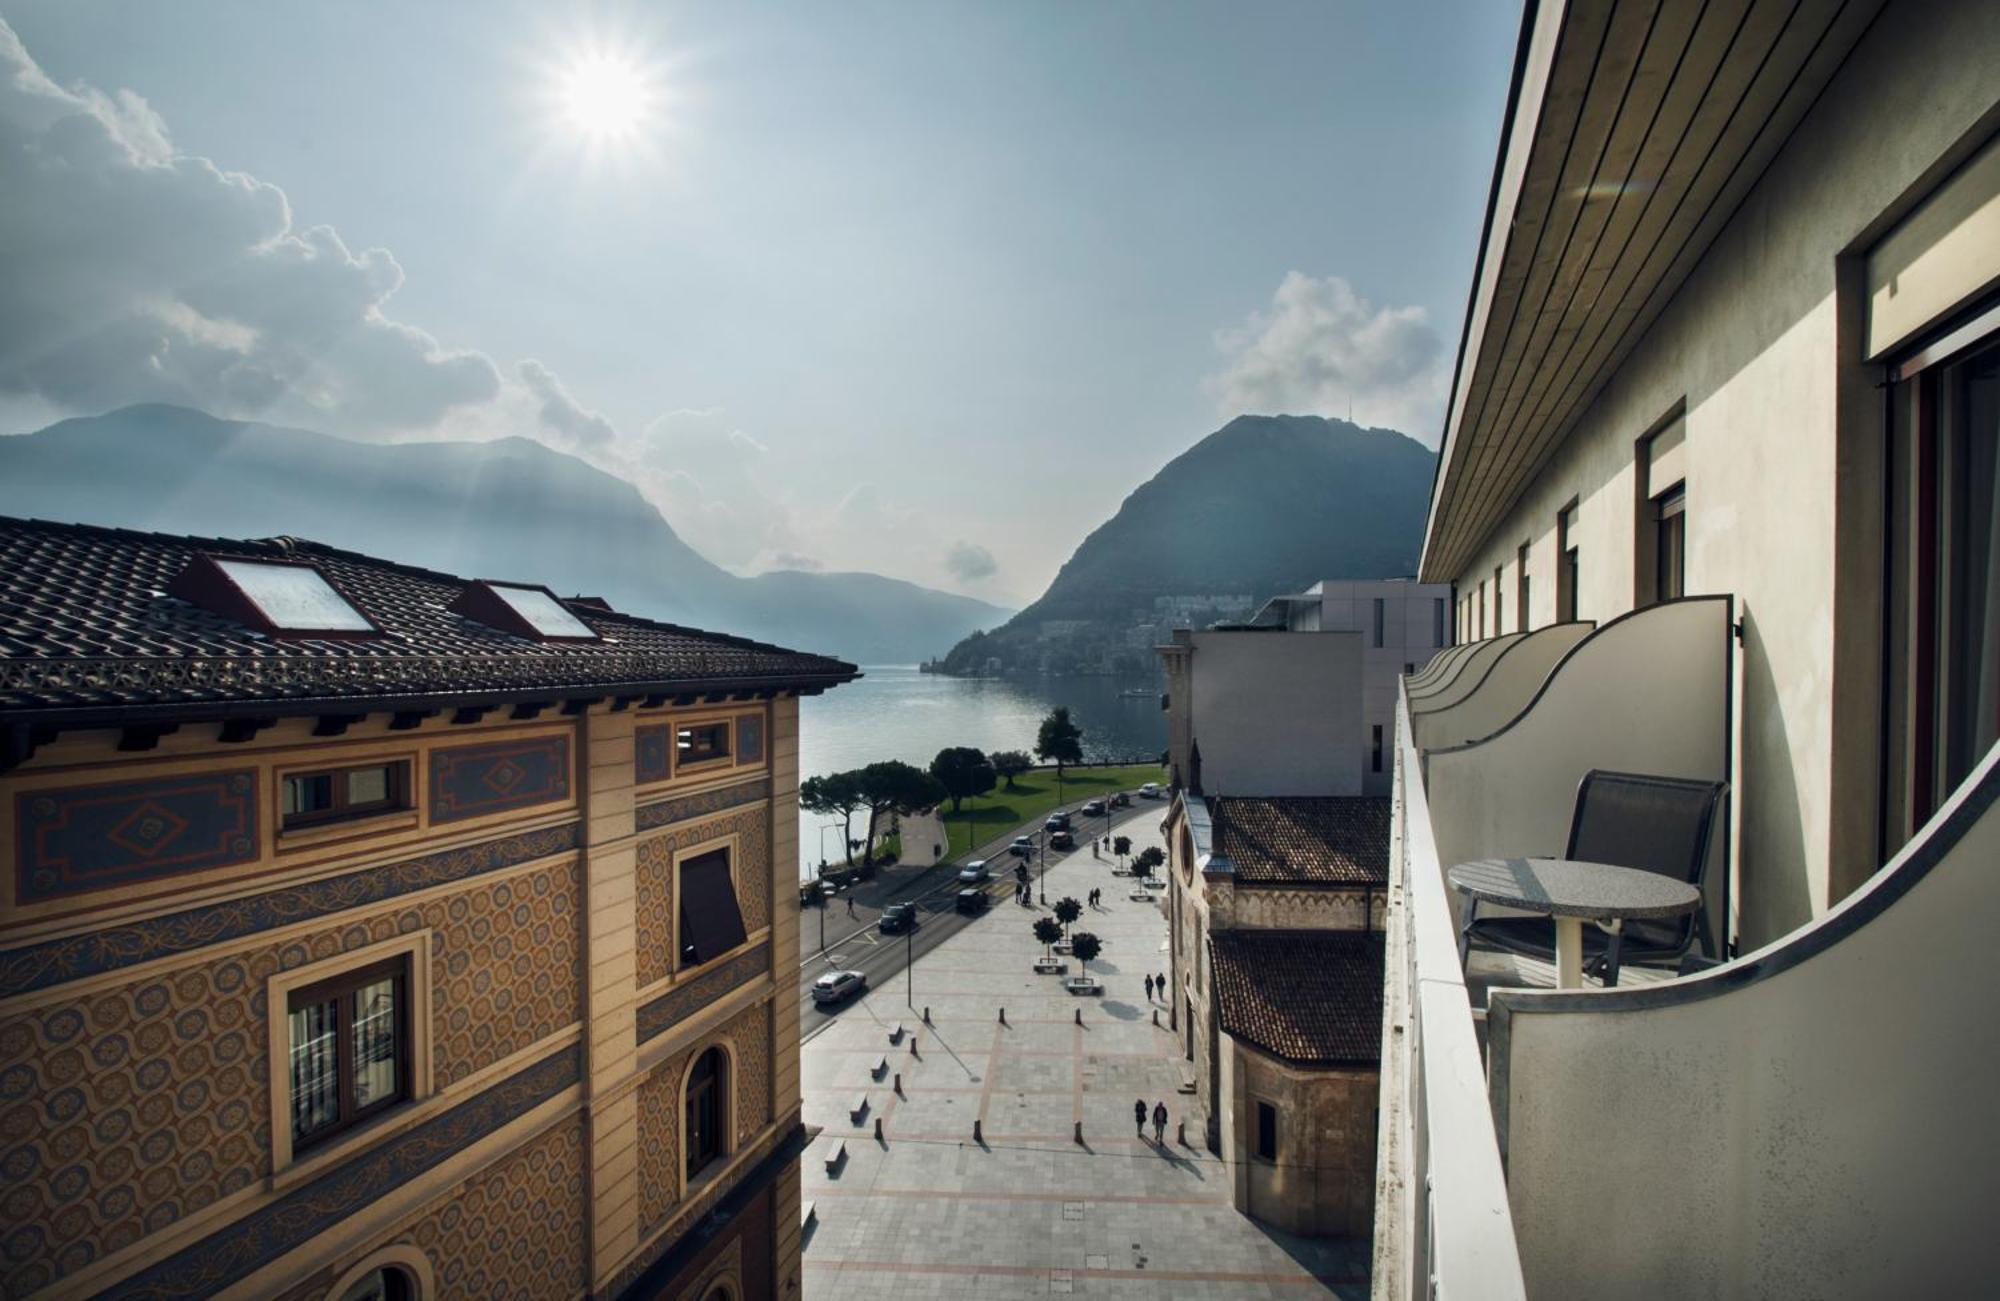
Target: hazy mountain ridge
[1263,505]
[511,508]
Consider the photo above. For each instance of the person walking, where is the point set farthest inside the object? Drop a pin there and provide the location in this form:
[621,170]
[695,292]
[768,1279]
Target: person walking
[1160,983]
[850,905]
[1139,1116]
[1149,989]
[1159,1122]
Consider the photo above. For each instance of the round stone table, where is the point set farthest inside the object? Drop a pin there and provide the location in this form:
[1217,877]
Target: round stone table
[1572,893]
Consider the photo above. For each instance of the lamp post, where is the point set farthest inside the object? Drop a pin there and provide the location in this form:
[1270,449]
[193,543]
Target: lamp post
[910,965]
[1042,877]
[824,827]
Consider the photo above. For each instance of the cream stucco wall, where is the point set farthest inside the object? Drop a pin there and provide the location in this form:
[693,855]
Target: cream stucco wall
[1763,345]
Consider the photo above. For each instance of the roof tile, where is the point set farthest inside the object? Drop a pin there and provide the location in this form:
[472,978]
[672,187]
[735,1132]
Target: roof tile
[1311,997]
[1320,840]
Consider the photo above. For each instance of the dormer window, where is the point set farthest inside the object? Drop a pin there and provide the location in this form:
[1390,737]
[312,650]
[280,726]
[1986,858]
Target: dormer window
[524,610]
[285,598]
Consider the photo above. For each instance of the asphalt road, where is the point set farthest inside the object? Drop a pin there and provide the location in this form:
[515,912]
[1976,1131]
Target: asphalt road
[855,944]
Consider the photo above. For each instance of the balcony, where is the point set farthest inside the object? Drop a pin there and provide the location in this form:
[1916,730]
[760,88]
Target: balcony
[1808,1119]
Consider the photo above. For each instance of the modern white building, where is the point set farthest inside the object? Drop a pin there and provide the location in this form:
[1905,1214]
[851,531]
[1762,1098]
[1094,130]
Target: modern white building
[1718,497]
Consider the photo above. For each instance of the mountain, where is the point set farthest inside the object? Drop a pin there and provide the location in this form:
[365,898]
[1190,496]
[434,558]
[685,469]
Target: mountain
[511,508]
[1266,504]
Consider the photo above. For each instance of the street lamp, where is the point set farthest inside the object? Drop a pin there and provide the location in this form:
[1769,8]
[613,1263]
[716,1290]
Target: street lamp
[910,965]
[1042,877]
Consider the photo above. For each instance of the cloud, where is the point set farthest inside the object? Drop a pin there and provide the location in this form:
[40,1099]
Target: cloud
[969,562]
[134,272]
[560,413]
[1321,346]
[770,560]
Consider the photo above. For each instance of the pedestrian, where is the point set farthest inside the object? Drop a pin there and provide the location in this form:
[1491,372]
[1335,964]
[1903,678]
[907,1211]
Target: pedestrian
[1160,983]
[1139,1116]
[1149,989]
[1159,1122]
[850,905]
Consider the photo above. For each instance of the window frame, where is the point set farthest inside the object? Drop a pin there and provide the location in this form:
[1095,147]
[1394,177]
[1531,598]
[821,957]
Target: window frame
[1522,590]
[730,846]
[1669,509]
[413,950]
[1569,562]
[400,799]
[725,1108]
[404,1258]
[725,726]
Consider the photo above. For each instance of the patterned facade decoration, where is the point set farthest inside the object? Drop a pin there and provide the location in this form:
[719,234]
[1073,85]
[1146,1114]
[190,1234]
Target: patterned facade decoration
[654,887]
[470,781]
[264,1235]
[665,812]
[682,1002]
[653,750]
[750,738]
[748,1034]
[126,1110]
[39,966]
[81,838]
[514,1230]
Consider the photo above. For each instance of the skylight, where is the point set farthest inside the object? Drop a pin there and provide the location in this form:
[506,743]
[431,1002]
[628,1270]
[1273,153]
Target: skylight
[543,612]
[294,598]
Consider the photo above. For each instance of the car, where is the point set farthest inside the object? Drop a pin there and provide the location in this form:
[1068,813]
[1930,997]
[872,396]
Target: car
[1093,808]
[897,917]
[1022,847]
[972,901]
[1061,840]
[1057,822]
[1150,791]
[975,872]
[836,985]
[1122,800]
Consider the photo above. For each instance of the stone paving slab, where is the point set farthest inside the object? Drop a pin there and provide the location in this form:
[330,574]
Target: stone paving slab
[928,1213]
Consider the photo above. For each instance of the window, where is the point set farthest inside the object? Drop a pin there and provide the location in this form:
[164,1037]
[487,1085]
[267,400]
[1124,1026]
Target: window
[526,611]
[1437,621]
[1380,612]
[1376,761]
[1670,544]
[1408,668]
[1660,531]
[309,799]
[383,1283]
[1499,601]
[1267,1132]
[279,597]
[701,743]
[1521,589]
[1942,689]
[1479,611]
[711,921]
[1568,565]
[349,1049]
[707,1112]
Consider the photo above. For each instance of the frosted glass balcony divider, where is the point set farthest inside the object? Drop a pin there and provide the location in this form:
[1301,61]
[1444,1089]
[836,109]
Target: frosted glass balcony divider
[1509,682]
[1814,1119]
[1441,664]
[1465,673]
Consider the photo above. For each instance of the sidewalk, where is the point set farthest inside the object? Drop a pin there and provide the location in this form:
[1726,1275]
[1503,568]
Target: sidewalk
[1028,1212]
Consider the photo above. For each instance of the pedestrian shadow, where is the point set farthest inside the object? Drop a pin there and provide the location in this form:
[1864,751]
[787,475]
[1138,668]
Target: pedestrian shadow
[1170,1153]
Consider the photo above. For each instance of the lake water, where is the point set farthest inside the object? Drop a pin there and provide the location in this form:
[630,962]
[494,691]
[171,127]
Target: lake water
[896,712]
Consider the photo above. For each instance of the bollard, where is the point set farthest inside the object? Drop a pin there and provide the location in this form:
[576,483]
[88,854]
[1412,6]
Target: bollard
[913,1046]
[927,1014]
[899,1083]
[1156,1016]
[1183,1132]
[878,1129]
[1079,1131]
[1079,1016]
[977,1136]
[1003,1016]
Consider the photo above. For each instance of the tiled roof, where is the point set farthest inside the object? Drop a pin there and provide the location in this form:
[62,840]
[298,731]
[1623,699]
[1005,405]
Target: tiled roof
[1311,997]
[1319,840]
[85,624]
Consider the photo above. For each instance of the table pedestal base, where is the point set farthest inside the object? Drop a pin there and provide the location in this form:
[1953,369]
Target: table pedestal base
[1569,953]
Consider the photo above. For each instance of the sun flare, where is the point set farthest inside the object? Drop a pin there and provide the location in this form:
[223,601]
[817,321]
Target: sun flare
[606,98]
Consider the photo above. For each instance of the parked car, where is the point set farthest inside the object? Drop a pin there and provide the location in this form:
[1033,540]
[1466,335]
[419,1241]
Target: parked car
[975,872]
[1057,822]
[836,985]
[1122,800]
[1093,809]
[1150,791]
[897,917]
[972,901]
[1061,840]
[1022,847]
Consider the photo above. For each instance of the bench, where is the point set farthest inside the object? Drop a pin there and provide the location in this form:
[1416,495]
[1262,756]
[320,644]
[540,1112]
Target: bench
[880,1068]
[835,1155]
[896,1033]
[858,1110]
[806,1214]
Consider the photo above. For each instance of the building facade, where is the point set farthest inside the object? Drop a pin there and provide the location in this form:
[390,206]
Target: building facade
[1264,711]
[372,932]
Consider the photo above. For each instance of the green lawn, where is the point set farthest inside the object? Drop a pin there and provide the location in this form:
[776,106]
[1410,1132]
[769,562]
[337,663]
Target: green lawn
[1001,810]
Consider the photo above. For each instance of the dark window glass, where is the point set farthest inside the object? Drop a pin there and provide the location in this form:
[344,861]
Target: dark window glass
[701,743]
[336,794]
[1380,611]
[1521,589]
[349,1041]
[705,1111]
[384,1284]
[1267,1132]
[1670,544]
[1378,747]
[711,919]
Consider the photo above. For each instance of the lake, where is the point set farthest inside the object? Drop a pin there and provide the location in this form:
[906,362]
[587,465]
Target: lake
[896,712]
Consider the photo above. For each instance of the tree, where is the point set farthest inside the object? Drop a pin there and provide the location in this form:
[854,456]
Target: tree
[838,792]
[1149,858]
[1060,741]
[1084,946]
[893,786]
[963,771]
[1010,764]
[1048,930]
[1121,846]
[1067,910]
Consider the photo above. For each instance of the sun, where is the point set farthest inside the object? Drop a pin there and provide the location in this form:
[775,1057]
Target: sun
[606,97]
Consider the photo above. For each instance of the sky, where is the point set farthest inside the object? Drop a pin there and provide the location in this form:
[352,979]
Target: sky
[923,288]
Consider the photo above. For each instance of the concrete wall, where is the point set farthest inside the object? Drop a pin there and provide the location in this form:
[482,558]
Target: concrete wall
[1411,629]
[1764,345]
[1277,713]
[1322,1183]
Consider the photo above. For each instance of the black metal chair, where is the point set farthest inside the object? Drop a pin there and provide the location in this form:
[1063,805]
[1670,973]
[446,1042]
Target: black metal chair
[1649,824]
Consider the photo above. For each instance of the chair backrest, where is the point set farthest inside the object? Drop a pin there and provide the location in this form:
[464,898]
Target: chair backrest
[1658,824]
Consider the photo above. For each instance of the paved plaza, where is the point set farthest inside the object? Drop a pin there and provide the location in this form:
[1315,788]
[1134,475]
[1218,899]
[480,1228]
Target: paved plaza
[928,1212]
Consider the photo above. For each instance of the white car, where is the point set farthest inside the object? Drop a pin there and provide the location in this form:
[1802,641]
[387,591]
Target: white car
[836,985]
[1150,791]
[976,872]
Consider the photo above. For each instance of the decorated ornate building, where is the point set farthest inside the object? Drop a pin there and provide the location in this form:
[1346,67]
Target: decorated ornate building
[371,932]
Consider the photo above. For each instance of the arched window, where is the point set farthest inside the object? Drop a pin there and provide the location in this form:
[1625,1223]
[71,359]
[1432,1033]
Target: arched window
[383,1283]
[707,1110]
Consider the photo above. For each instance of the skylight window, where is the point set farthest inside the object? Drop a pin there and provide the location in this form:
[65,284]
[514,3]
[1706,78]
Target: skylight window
[543,612]
[278,597]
